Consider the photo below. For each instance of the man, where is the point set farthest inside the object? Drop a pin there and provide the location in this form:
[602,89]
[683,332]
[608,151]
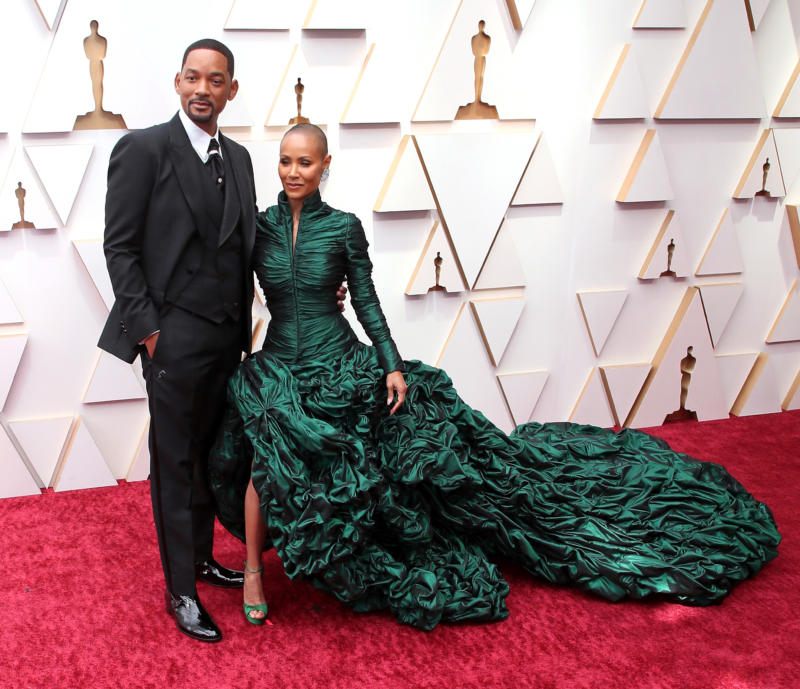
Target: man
[180,227]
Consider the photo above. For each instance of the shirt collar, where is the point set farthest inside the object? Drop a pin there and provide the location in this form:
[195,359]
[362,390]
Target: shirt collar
[198,137]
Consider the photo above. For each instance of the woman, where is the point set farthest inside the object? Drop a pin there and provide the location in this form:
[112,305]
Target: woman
[400,503]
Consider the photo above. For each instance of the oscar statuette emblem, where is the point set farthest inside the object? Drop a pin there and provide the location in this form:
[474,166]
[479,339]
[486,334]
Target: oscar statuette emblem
[477,109]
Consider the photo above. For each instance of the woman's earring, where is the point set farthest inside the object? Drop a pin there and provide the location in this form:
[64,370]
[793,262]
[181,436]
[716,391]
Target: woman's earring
[325,174]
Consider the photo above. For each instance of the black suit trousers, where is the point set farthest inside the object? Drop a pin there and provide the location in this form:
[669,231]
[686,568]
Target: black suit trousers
[186,380]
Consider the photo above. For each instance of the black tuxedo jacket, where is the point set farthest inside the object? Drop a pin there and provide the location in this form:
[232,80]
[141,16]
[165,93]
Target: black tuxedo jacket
[155,208]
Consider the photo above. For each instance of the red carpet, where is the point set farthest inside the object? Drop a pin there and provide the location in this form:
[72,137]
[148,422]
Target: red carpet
[81,606]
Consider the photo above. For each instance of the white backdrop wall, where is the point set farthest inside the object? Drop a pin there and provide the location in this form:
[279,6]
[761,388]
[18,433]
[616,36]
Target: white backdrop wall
[619,155]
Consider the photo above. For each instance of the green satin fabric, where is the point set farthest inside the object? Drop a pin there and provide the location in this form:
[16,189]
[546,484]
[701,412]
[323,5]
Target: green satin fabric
[409,512]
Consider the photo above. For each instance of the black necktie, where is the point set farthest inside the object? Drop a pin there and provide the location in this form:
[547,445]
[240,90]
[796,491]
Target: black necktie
[214,163]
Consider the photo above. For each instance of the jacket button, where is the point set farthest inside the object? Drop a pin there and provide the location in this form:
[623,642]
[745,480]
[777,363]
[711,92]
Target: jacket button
[122,326]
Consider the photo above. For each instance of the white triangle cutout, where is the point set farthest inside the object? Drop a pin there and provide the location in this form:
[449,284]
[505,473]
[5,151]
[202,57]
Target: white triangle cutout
[719,302]
[11,348]
[660,14]
[17,480]
[647,178]
[42,440]
[61,169]
[522,392]
[405,187]
[722,255]
[49,10]
[792,398]
[789,102]
[624,97]
[472,206]
[787,324]
[113,380]
[497,319]
[758,9]
[763,170]
[600,312]
[539,183]
[424,276]
[83,465]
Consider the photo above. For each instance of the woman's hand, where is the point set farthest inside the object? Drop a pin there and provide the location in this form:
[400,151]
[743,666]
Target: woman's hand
[341,294]
[396,385]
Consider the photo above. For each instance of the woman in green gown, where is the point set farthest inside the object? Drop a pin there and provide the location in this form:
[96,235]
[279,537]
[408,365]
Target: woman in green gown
[407,505]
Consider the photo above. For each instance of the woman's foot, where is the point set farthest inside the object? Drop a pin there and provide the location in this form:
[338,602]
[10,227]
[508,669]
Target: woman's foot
[255,603]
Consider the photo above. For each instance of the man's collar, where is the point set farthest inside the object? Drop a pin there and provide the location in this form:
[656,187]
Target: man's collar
[199,138]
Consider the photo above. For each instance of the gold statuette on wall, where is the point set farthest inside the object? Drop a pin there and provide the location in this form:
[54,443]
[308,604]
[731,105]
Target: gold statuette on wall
[682,413]
[764,172]
[478,110]
[95,45]
[437,267]
[299,87]
[19,192]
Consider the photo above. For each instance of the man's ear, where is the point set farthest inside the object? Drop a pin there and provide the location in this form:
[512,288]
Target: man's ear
[234,89]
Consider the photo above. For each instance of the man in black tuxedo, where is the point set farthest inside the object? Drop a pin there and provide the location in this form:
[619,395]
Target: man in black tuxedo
[180,227]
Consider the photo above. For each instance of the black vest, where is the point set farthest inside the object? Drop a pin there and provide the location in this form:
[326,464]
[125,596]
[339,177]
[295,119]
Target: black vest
[216,289]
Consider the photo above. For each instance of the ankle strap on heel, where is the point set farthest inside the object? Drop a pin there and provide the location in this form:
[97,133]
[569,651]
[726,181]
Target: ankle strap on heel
[253,571]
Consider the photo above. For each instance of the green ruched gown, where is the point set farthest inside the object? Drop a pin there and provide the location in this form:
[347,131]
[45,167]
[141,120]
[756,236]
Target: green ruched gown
[409,512]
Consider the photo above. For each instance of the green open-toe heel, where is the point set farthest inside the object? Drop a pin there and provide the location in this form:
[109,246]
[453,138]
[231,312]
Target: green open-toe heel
[261,606]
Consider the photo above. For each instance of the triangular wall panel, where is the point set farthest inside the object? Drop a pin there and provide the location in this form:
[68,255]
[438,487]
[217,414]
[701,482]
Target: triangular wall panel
[35,206]
[792,398]
[786,327]
[11,348]
[717,76]
[623,384]
[267,15]
[755,12]
[733,371]
[660,14]
[423,278]
[91,254]
[405,187]
[592,406]
[794,230]
[43,440]
[467,362]
[83,465]
[522,392]
[789,102]
[723,254]
[140,466]
[497,319]
[502,267]
[519,11]
[113,380]
[9,313]
[61,169]
[624,96]
[452,80]
[763,171]
[759,394]
[647,178]
[49,10]
[600,311]
[661,392]
[473,206]
[667,253]
[719,303]
[17,480]
[539,183]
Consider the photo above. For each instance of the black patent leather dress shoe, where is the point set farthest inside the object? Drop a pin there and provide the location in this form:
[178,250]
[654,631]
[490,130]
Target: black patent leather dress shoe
[192,618]
[212,572]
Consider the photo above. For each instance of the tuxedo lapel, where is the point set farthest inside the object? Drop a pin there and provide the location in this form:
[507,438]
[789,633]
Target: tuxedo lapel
[232,207]
[189,175]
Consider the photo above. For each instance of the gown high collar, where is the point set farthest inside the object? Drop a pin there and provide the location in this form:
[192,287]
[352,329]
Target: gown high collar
[311,204]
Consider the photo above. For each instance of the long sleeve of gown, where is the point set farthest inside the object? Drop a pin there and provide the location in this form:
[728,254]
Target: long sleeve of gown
[364,298]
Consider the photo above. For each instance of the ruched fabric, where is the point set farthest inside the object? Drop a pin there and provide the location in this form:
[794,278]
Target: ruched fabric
[410,512]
